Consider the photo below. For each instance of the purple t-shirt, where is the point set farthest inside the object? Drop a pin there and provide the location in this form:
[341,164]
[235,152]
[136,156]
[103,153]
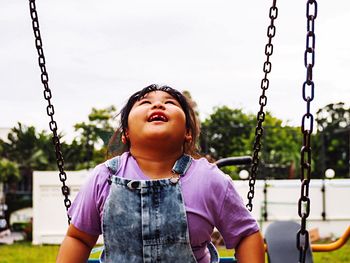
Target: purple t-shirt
[209,196]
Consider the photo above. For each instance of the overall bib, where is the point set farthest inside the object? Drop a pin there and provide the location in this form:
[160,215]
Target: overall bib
[144,221]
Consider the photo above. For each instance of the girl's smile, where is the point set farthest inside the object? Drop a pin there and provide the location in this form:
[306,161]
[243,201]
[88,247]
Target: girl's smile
[158,116]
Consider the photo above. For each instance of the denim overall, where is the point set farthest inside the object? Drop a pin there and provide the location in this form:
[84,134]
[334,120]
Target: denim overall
[144,221]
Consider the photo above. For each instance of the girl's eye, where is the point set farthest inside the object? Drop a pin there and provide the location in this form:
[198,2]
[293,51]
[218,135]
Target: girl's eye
[145,102]
[170,102]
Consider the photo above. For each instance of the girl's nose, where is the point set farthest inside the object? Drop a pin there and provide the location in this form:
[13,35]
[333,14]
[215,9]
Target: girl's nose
[158,105]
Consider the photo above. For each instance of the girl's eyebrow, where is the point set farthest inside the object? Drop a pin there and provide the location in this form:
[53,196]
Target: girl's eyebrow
[145,97]
[169,97]
[166,97]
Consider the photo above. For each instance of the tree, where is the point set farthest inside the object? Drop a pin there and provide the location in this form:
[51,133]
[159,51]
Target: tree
[9,171]
[231,132]
[25,147]
[73,155]
[281,148]
[226,132]
[22,153]
[94,135]
[332,139]
[25,151]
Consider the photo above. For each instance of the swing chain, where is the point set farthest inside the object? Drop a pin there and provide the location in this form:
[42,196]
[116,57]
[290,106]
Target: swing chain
[259,131]
[306,129]
[50,108]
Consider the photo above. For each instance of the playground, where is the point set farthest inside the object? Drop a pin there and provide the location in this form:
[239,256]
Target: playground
[301,219]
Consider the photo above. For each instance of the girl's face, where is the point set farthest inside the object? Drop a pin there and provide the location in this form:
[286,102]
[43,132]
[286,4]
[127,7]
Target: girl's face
[157,118]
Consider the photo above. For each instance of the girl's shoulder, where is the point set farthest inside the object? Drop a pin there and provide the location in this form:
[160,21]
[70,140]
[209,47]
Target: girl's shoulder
[203,166]
[204,171]
[97,179]
[205,188]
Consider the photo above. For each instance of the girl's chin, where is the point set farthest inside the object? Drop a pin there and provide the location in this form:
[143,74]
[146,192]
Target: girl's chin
[158,132]
[161,137]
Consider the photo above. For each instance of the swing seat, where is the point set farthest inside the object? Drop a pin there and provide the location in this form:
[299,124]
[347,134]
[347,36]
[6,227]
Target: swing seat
[228,260]
[280,238]
[222,260]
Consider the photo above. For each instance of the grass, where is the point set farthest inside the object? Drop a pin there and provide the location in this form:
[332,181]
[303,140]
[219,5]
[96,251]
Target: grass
[341,255]
[26,253]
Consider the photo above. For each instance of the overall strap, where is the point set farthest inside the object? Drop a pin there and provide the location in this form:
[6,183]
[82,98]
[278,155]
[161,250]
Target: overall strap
[180,167]
[113,166]
[182,164]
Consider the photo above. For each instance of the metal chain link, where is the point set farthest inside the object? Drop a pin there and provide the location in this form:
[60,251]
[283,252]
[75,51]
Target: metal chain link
[259,131]
[50,108]
[306,129]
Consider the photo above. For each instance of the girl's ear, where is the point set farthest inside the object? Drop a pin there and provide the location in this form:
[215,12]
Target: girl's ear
[124,140]
[125,137]
[188,137]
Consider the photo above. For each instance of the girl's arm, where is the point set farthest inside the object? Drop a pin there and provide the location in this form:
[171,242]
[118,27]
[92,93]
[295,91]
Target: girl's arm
[251,249]
[76,246]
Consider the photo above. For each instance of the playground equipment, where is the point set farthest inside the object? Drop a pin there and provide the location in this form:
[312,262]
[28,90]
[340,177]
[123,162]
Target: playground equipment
[301,233]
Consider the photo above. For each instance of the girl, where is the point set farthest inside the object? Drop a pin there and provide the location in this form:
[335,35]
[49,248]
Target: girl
[156,203]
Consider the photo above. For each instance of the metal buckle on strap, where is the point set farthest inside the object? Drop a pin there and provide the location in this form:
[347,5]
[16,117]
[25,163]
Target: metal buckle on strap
[175,178]
[134,185]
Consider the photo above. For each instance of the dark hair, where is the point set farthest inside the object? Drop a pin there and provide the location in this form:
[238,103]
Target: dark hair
[115,147]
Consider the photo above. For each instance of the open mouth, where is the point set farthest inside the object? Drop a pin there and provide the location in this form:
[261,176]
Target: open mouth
[157,117]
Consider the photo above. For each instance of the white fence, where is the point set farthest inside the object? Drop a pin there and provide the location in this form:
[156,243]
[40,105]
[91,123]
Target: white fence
[50,220]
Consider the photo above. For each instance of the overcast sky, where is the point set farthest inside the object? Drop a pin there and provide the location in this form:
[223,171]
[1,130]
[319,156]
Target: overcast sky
[99,52]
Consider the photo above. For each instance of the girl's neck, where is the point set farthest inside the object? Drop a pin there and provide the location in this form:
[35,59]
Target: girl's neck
[156,165]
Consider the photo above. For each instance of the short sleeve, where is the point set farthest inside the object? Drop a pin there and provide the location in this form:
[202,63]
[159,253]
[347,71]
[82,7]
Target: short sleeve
[87,207]
[235,221]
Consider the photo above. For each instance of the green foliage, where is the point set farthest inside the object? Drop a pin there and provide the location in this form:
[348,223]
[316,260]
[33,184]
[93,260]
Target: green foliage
[99,126]
[95,134]
[23,148]
[281,148]
[27,150]
[281,143]
[73,155]
[231,132]
[9,171]
[24,151]
[332,140]
[233,171]
[226,132]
